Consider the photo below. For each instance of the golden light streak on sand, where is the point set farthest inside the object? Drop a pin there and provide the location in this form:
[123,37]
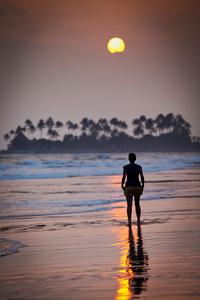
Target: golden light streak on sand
[123,292]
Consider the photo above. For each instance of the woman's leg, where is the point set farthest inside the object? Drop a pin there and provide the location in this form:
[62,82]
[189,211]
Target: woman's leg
[129,200]
[137,208]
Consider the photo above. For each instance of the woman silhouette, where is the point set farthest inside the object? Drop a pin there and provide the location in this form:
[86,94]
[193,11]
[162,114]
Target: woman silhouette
[133,187]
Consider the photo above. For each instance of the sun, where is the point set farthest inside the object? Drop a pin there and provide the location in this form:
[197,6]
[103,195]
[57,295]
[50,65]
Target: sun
[116,45]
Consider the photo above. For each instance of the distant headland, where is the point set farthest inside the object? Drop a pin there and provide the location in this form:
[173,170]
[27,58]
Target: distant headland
[170,133]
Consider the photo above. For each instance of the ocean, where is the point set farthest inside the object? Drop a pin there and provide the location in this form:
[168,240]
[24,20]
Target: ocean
[58,184]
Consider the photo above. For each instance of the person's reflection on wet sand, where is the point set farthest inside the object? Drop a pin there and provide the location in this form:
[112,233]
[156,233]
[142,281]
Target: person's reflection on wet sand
[137,262]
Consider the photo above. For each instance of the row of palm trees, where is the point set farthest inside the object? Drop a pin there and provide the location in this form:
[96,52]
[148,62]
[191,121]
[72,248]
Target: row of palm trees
[161,124]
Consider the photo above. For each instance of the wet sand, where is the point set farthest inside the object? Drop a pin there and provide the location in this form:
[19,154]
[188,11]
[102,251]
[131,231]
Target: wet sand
[97,256]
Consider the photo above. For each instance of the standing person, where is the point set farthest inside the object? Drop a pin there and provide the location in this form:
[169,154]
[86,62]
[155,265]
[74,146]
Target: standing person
[133,187]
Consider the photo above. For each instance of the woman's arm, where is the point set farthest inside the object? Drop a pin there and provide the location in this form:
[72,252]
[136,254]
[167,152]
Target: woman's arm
[123,179]
[142,178]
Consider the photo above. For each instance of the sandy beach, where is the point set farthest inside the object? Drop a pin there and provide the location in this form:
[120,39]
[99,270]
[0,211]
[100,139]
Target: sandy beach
[97,256]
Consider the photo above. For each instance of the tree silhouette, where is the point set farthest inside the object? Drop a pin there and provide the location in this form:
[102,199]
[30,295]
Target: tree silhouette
[31,129]
[138,131]
[114,133]
[140,124]
[50,123]
[53,134]
[85,122]
[6,137]
[71,126]
[173,132]
[59,125]
[160,123]
[118,125]
[104,126]
[19,129]
[11,133]
[41,125]
[114,122]
[181,126]
[142,119]
[149,125]
[169,122]
[75,127]
[94,129]
[28,122]
[122,125]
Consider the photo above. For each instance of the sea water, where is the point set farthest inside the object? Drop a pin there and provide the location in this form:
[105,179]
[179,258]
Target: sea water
[37,185]
[48,166]
[57,184]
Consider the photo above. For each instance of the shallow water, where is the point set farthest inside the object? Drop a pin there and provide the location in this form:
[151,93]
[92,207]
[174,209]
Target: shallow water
[45,185]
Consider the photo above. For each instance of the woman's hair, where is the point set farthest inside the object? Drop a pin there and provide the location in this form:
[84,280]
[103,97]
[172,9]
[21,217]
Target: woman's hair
[132,157]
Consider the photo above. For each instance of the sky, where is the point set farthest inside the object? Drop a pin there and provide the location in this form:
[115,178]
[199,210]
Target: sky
[54,60]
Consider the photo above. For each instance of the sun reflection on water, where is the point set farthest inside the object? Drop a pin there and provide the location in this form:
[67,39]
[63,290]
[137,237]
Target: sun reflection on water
[133,276]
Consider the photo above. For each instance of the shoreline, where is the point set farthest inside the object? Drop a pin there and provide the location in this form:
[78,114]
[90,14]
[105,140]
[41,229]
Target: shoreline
[89,151]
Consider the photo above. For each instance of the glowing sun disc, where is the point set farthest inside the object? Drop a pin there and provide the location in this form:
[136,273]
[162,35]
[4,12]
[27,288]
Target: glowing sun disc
[116,45]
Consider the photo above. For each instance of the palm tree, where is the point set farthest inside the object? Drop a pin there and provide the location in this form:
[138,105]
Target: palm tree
[138,131]
[50,123]
[41,125]
[53,134]
[11,133]
[28,122]
[104,126]
[160,123]
[140,124]
[94,128]
[6,137]
[149,126]
[142,119]
[32,129]
[59,125]
[85,122]
[181,126]
[19,129]
[114,122]
[75,127]
[169,122]
[122,125]
[71,126]
[114,133]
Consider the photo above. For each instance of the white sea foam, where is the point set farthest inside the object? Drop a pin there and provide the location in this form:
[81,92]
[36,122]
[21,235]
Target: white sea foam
[8,247]
[68,165]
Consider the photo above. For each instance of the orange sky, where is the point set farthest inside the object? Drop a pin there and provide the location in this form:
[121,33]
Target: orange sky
[54,60]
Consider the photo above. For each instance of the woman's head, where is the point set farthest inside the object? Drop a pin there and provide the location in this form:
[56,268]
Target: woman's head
[132,157]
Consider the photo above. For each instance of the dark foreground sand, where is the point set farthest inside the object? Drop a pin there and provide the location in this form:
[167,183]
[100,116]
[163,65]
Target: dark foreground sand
[97,256]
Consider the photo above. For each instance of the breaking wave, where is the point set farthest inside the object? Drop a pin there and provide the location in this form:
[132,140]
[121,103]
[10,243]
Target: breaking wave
[72,165]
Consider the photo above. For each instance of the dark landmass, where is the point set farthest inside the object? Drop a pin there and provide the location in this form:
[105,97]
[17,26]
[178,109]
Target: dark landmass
[164,134]
[121,143]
